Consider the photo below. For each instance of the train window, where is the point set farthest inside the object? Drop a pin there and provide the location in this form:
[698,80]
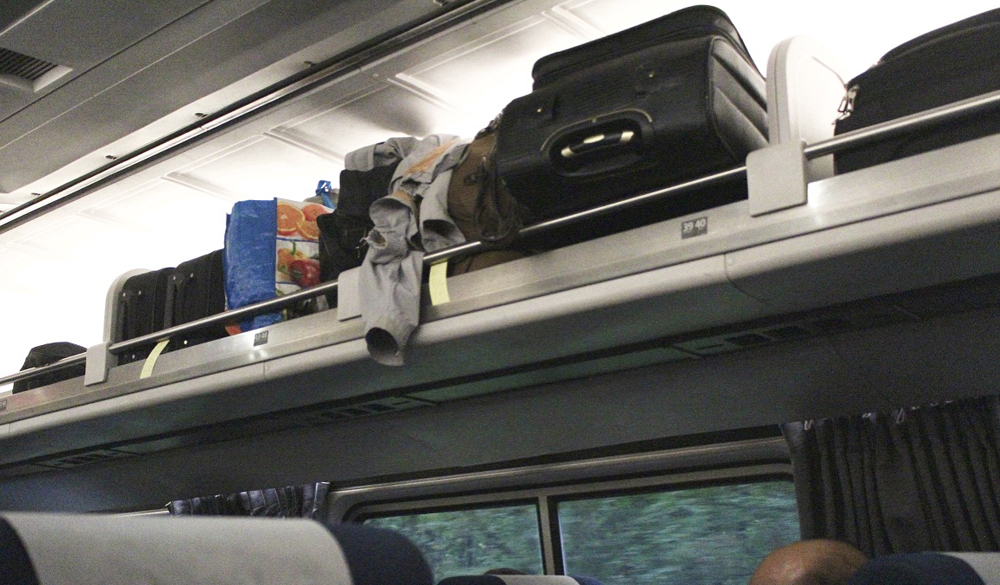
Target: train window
[715,534]
[470,542]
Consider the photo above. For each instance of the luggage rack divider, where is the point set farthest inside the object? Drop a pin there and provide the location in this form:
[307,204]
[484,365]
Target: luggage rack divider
[805,92]
[805,88]
[99,359]
[940,115]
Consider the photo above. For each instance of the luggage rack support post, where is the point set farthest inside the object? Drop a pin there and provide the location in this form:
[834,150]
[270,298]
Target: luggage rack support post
[776,177]
[348,294]
[99,361]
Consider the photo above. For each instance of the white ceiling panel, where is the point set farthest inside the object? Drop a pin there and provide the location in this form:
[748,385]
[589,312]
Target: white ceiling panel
[80,245]
[608,17]
[162,203]
[262,168]
[47,297]
[30,268]
[172,222]
[482,76]
[372,117]
[55,278]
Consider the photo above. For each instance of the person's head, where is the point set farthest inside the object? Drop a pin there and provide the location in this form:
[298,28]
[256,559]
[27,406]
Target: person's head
[810,562]
[504,571]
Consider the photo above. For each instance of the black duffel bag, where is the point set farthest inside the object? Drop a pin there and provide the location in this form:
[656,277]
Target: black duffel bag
[950,64]
[44,355]
[342,233]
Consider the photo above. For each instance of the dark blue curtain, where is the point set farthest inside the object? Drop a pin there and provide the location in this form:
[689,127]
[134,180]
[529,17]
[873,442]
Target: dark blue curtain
[306,501]
[916,479]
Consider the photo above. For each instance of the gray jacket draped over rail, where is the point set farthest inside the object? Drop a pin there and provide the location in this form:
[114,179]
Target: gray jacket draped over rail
[411,220]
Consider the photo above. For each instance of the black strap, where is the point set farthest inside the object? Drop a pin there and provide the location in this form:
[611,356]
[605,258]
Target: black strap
[498,216]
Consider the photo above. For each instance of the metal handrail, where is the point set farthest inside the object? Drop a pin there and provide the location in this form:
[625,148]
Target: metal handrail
[224,318]
[29,373]
[551,224]
[230,316]
[918,121]
[846,141]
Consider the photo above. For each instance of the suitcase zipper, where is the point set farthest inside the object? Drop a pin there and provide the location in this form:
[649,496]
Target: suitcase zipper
[846,106]
[966,27]
[616,46]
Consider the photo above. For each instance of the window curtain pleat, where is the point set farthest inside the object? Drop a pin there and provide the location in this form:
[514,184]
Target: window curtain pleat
[911,480]
[305,501]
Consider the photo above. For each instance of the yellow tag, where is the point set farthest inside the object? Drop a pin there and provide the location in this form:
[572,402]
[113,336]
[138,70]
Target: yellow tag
[439,283]
[147,366]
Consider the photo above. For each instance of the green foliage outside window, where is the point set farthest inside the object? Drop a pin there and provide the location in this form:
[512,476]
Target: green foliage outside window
[712,535]
[469,542]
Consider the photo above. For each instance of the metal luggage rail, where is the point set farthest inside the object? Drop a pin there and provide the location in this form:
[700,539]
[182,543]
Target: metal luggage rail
[928,119]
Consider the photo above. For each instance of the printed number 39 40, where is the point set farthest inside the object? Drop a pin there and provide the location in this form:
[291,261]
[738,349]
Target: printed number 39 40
[694,227]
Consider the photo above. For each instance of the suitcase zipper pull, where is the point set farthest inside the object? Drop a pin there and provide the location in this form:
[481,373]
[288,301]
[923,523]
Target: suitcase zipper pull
[847,104]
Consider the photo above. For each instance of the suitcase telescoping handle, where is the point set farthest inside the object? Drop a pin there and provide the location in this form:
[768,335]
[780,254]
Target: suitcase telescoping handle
[600,146]
[597,142]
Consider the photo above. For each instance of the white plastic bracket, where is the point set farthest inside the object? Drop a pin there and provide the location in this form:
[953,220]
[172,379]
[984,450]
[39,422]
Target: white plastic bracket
[99,361]
[805,87]
[776,178]
[111,303]
[349,294]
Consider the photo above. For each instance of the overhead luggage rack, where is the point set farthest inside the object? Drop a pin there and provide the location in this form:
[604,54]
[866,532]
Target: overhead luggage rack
[800,260]
[855,139]
[628,300]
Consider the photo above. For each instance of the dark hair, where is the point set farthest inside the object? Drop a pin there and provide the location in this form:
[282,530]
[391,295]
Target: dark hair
[504,571]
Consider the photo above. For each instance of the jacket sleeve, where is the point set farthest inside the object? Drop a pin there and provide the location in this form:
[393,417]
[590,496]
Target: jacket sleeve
[392,273]
[390,279]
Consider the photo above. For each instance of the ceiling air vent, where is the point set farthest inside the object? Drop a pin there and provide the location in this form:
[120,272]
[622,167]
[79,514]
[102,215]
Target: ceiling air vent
[85,458]
[26,72]
[393,404]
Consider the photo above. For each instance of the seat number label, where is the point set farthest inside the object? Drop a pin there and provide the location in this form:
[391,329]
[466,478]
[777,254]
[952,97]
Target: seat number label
[694,227]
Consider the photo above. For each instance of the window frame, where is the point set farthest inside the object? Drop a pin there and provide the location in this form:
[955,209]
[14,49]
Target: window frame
[547,497]
[559,558]
[458,504]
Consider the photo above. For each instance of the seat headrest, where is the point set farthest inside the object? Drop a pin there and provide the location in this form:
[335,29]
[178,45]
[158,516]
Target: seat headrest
[519,580]
[931,568]
[63,549]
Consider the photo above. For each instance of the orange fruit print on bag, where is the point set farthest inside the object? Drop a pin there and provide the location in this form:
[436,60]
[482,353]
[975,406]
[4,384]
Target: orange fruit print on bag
[307,225]
[289,219]
[297,245]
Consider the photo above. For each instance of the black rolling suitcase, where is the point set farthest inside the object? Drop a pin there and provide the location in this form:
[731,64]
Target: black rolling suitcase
[142,310]
[46,354]
[673,99]
[959,61]
[196,289]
